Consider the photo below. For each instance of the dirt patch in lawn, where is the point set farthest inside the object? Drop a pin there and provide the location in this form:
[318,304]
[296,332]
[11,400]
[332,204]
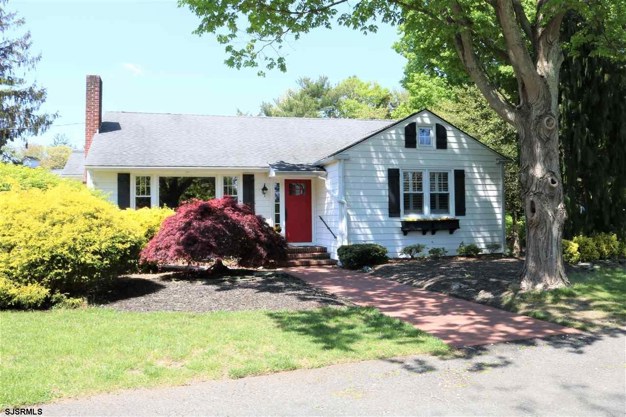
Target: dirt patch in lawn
[246,290]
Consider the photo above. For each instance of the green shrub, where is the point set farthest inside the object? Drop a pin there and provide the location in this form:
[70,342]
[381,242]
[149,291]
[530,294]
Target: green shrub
[413,251]
[470,250]
[59,300]
[607,245]
[360,255]
[493,247]
[64,238]
[571,255]
[437,253]
[622,250]
[598,247]
[587,248]
[27,296]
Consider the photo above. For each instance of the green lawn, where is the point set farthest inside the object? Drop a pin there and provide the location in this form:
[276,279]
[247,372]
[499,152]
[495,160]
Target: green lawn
[595,300]
[63,353]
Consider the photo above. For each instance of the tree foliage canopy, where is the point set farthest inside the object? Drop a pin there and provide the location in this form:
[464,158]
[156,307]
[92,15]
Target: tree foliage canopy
[19,100]
[50,157]
[351,98]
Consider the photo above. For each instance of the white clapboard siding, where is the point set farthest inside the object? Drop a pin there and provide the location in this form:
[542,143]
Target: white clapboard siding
[367,190]
[106,182]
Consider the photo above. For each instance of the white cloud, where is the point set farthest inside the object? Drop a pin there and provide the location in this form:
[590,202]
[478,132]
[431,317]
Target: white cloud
[135,69]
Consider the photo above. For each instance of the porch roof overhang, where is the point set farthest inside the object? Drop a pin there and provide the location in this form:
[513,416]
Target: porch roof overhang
[282,168]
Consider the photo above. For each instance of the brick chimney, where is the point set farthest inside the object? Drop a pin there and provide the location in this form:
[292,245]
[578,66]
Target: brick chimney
[93,109]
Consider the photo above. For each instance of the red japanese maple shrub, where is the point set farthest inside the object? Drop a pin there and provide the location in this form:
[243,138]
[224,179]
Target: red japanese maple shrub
[204,230]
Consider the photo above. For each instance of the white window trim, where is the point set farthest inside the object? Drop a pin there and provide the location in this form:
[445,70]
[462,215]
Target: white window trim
[426,192]
[133,189]
[220,192]
[432,136]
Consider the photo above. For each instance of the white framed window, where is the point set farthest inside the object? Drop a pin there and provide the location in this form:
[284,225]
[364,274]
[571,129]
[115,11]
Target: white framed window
[413,191]
[439,193]
[425,136]
[426,192]
[143,196]
[231,187]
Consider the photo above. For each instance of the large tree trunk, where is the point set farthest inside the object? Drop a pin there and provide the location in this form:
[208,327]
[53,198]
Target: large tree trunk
[535,54]
[542,191]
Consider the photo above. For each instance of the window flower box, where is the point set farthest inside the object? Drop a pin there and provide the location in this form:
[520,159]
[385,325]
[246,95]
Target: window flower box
[429,225]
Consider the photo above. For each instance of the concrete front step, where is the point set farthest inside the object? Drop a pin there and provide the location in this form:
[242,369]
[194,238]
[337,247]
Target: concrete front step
[306,249]
[311,262]
[309,255]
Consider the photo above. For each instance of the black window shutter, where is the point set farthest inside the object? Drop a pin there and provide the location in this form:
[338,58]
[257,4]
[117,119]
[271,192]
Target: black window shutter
[123,191]
[442,137]
[459,192]
[394,192]
[410,135]
[248,190]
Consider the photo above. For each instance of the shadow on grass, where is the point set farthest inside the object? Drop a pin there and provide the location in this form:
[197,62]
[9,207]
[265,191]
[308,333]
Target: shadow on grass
[343,328]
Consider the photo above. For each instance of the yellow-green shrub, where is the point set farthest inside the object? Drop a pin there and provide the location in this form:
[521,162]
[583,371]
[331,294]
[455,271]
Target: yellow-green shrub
[148,220]
[587,248]
[16,176]
[64,238]
[570,252]
[607,245]
[21,296]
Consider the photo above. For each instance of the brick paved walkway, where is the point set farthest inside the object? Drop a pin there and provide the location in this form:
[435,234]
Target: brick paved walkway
[457,322]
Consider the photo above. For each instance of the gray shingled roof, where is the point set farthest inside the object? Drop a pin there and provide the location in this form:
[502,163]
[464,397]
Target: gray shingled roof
[75,165]
[180,140]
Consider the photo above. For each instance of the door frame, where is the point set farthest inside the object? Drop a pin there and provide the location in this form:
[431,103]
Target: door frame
[313,208]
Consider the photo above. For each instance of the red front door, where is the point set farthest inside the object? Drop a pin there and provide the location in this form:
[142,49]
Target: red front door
[298,210]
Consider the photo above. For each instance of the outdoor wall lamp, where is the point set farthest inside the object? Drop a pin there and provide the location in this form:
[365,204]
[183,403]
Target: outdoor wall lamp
[264,189]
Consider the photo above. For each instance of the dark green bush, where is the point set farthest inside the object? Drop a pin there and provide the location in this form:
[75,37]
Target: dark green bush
[493,247]
[437,253]
[413,251]
[470,250]
[360,255]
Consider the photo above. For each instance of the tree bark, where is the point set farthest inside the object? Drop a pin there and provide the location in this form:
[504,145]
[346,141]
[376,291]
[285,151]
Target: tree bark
[542,191]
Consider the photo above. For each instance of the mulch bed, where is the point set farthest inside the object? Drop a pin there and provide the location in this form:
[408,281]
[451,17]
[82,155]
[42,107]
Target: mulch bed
[485,279]
[241,290]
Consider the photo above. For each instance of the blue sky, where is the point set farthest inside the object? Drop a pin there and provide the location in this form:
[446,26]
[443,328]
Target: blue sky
[150,61]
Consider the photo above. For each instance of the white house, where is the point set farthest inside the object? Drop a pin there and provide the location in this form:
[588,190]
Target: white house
[326,182]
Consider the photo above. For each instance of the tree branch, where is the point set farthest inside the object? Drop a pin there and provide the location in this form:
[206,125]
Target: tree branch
[521,60]
[465,49]
[522,19]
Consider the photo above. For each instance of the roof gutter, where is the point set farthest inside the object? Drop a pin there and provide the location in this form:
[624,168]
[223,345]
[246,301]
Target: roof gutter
[332,158]
[175,168]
